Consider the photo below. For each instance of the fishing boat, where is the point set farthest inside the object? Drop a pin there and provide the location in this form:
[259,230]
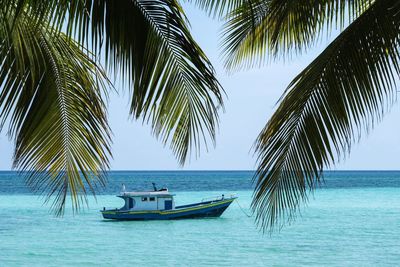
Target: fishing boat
[160,205]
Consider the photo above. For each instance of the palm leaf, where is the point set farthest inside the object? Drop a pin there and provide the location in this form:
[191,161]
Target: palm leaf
[325,108]
[244,35]
[280,27]
[52,95]
[174,84]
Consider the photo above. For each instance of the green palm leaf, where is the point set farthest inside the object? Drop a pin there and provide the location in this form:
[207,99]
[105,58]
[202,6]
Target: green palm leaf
[174,84]
[280,27]
[51,92]
[325,108]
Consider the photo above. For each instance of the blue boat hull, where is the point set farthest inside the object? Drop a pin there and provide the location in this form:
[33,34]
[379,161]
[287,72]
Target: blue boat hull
[199,210]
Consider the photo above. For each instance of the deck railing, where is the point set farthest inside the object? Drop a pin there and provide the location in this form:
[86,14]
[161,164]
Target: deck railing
[216,198]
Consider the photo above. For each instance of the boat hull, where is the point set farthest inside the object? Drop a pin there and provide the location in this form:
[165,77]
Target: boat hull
[199,210]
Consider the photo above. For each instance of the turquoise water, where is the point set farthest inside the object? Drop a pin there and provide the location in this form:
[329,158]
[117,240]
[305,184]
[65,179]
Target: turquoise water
[352,225]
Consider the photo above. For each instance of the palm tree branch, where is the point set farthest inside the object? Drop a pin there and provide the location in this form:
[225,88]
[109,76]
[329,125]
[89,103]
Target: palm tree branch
[325,108]
[151,43]
[282,27]
[52,97]
[158,54]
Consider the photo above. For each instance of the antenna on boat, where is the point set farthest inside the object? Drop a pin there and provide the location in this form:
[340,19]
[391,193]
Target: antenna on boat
[154,186]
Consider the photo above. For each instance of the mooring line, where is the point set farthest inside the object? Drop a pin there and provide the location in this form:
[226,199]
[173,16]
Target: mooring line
[245,213]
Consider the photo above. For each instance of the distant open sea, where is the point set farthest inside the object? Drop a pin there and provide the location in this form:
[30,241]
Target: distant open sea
[353,219]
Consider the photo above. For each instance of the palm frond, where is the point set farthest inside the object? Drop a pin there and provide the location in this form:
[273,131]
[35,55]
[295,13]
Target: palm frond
[281,27]
[51,92]
[296,25]
[325,108]
[174,84]
[151,48]
[244,35]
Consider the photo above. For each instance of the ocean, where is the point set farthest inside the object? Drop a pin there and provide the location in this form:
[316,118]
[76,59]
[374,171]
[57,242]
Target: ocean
[353,219]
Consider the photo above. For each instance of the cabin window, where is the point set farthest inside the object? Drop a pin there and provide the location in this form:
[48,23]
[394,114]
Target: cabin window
[144,198]
[152,199]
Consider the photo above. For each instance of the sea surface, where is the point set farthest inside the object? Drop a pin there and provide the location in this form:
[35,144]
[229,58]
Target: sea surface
[353,219]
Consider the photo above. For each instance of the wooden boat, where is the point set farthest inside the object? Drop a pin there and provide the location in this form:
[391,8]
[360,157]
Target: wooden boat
[160,205]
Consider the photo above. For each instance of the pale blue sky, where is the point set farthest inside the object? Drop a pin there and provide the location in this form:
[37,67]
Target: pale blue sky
[252,95]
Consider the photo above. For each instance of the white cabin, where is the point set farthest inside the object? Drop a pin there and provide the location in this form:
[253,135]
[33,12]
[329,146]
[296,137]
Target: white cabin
[148,200]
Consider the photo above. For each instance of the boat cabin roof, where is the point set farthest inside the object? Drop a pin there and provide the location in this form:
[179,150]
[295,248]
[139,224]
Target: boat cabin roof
[161,193]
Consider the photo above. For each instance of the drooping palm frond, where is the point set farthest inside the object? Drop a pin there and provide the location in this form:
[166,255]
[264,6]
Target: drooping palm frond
[244,34]
[325,108]
[278,27]
[51,92]
[296,25]
[174,84]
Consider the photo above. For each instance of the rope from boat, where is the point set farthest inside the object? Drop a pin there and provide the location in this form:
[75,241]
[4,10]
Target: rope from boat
[245,213]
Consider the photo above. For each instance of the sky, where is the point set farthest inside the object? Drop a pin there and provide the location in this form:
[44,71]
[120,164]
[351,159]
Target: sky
[251,100]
